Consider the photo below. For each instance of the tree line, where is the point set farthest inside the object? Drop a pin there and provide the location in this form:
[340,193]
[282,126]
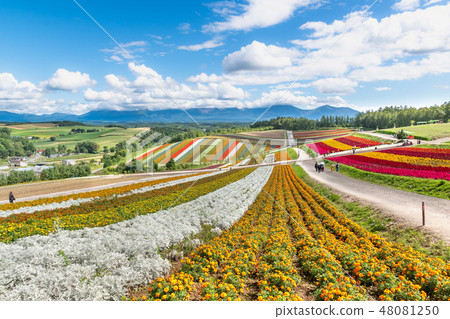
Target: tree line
[398,116]
[386,117]
[302,123]
[13,145]
[56,172]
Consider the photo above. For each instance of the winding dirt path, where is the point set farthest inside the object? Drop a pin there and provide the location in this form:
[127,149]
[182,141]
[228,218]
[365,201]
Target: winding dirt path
[405,207]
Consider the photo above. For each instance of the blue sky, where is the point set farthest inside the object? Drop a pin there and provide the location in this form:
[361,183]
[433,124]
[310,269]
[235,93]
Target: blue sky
[245,53]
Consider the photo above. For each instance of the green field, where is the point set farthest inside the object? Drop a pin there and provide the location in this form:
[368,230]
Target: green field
[428,131]
[107,136]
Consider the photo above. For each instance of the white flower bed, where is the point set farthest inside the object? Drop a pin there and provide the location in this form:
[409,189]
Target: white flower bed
[79,201]
[270,158]
[100,263]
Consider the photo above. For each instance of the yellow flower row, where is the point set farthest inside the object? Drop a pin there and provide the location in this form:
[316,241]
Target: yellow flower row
[100,193]
[338,145]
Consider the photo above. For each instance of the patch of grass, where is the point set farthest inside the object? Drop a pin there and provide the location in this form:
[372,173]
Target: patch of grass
[428,131]
[309,151]
[107,136]
[444,146]
[430,187]
[373,138]
[292,154]
[376,222]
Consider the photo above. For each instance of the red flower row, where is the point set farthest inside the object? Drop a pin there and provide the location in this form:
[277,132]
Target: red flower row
[383,169]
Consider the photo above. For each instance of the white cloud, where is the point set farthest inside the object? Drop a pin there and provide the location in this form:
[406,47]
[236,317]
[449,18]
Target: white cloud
[65,80]
[184,28]
[382,88]
[132,51]
[335,86]
[436,63]
[256,14]
[431,2]
[294,98]
[404,39]
[214,43]
[406,5]
[143,92]
[203,77]
[24,97]
[257,55]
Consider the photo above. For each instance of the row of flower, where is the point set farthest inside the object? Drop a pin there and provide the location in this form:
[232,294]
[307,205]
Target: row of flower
[102,263]
[107,192]
[288,218]
[161,183]
[221,270]
[390,271]
[111,210]
[402,162]
[304,135]
[282,156]
[438,153]
[341,144]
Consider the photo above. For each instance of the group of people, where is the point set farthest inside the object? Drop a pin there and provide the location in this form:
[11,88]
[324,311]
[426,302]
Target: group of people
[320,167]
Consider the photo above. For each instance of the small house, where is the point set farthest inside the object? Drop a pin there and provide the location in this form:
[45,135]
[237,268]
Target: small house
[17,161]
[68,162]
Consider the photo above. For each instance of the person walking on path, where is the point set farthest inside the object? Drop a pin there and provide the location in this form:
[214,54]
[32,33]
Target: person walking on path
[11,197]
[316,166]
[332,167]
[337,167]
[354,149]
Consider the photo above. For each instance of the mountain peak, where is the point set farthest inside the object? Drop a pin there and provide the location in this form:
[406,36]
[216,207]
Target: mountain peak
[204,115]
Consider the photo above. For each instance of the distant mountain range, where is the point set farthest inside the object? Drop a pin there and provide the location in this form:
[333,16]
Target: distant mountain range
[210,115]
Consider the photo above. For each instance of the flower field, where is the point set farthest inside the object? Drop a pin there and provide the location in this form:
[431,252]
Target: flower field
[35,205]
[320,134]
[206,150]
[108,211]
[275,234]
[100,263]
[341,144]
[407,161]
[291,234]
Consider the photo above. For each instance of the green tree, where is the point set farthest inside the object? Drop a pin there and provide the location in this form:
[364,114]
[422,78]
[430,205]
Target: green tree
[171,165]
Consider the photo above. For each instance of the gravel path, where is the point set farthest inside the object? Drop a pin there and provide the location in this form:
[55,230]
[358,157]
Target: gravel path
[403,206]
[385,136]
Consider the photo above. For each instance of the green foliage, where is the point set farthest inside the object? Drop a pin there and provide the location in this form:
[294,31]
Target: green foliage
[372,138]
[310,152]
[295,124]
[401,116]
[68,123]
[14,146]
[16,177]
[49,151]
[62,171]
[86,147]
[292,154]
[171,165]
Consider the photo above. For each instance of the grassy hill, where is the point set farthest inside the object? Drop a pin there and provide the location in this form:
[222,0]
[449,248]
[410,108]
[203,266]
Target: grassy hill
[106,136]
[428,131]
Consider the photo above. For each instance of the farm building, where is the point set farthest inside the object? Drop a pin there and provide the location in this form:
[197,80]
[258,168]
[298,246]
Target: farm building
[68,162]
[17,161]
